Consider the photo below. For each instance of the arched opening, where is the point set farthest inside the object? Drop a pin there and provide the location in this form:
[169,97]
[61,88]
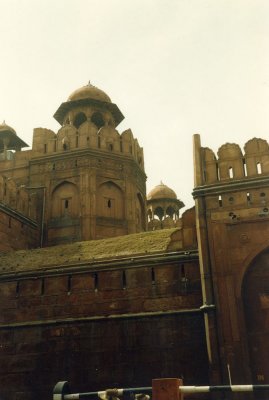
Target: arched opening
[98,120]
[159,213]
[65,201]
[110,201]
[79,119]
[170,212]
[255,293]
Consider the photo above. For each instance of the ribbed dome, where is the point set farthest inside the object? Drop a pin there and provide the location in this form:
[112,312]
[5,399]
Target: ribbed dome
[6,128]
[89,92]
[161,192]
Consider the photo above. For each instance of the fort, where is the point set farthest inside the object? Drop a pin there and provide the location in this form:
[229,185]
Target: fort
[104,286]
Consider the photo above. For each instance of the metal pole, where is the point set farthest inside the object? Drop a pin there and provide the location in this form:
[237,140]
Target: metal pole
[160,389]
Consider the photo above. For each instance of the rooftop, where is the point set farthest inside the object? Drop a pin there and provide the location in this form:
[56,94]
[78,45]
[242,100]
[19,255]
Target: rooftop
[88,251]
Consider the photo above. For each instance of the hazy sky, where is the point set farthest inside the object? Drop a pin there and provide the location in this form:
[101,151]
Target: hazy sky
[173,67]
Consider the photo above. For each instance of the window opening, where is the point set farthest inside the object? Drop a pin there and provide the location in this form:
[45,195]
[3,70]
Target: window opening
[110,146]
[45,148]
[217,171]
[220,200]
[18,288]
[80,118]
[66,204]
[109,203]
[95,277]
[231,172]
[69,284]
[248,198]
[259,168]
[245,168]
[42,286]
[153,276]
[98,120]
[123,280]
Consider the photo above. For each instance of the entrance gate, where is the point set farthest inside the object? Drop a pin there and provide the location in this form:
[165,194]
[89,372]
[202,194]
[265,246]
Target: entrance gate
[256,307]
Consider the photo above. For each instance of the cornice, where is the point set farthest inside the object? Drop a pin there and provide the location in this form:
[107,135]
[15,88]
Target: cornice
[230,186]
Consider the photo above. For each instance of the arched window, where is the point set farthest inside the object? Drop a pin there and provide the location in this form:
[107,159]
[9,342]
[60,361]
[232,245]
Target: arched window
[170,211]
[65,201]
[79,119]
[110,201]
[159,212]
[98,120]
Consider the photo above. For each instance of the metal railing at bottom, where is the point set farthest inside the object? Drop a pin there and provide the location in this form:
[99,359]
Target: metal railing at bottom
[161,389]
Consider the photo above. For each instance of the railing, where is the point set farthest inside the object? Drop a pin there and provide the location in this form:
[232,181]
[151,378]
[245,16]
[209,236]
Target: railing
[162,389]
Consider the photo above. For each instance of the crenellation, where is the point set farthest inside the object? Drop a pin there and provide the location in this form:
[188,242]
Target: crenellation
[87,135]
[233,164]
[210,167]
[230,162]
[41,139]
[110,139]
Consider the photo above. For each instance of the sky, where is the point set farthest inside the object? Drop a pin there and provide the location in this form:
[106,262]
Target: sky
[173,67]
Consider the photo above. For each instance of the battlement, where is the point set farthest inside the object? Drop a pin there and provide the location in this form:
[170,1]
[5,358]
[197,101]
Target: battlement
[234,179]
[87,135]
[232,163]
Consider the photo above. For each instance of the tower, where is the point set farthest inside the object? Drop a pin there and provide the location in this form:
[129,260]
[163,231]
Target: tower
[94,176]
[86,181]
[232,219]
[163,208]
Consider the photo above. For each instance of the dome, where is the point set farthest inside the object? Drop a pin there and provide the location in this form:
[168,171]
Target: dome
[89,92]
[6,128]
[161,192]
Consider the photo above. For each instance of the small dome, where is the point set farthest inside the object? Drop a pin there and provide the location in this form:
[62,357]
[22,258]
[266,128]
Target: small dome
[6,128]
[161,192]
[89,92]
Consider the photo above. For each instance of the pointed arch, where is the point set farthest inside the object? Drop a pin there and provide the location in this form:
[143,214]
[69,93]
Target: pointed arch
[255,295]
[110,201]
[65,200]
[79,119]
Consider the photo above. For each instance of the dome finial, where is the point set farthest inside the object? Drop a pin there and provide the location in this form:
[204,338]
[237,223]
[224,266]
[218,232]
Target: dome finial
[89,83]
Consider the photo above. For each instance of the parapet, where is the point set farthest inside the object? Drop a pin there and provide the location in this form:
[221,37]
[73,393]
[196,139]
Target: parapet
[231,162]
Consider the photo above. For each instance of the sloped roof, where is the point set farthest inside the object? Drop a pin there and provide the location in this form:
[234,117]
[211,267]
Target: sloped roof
[88,251]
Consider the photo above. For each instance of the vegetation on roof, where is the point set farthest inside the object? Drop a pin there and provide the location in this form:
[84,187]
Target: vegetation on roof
[121,246]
